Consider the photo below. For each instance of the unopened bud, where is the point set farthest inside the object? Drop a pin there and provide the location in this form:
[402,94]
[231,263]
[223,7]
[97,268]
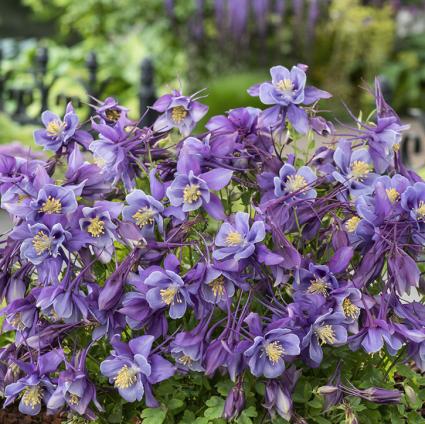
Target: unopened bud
[327,390]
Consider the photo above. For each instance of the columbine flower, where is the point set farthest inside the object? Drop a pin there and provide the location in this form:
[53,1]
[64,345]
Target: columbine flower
[110,110]
[168,290]
[326,330]
[317,280]
[74,388]
[178,111]
[190,192]
[54,199]
[131,368]
[286,91]
[267,353]
[217,285]
[295,181]
[238,240]
[145,211]
[60,132]
[97,223]
[384,137]
[36,386]
[413,201]
[355,168]
[41,242]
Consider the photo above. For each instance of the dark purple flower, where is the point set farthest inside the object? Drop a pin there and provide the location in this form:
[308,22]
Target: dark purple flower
[35,386]
[267,353]
[74,388]
[60,132]
[326,330]
[178,111]
[167,290]
[132,368]
[238,240]
[190,192]
[235,402]
[295,181]
[355,168]
[286,91]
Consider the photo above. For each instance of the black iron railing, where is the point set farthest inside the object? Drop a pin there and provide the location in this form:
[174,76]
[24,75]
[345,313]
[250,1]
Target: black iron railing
[37,95]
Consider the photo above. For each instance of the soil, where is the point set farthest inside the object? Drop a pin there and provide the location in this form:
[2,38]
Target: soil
[13,416]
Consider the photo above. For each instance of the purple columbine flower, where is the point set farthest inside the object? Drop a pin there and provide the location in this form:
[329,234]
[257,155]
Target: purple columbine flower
[41,242]
[190,192]
[218,285]
[97,223]
[36,386]
[326,330]
[235,402]
[385,137]
[145,211]
[167,290]
[267,353]
[178,111]
[74,388]
[238,240]
[286,91]
[52,199]
[296,182]
[355,168]
[413,201]
[317,280]
[132,368]
[187,348]
[60,132]
[110,111]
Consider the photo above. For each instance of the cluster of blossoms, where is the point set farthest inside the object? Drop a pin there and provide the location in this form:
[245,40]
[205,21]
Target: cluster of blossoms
[209,254]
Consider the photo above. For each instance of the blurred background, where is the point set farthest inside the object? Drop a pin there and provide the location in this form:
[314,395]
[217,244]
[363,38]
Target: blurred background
[55,50]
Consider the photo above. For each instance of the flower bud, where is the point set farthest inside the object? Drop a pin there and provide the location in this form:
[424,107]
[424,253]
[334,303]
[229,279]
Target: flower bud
[235,403]
[327,390]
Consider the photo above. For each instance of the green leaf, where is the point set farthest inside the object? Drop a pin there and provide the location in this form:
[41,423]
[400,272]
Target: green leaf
[215,407]
[174,404]
[153,416]
[246,415]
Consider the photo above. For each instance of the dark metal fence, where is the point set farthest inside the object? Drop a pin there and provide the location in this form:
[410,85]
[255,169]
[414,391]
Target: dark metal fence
[38,94]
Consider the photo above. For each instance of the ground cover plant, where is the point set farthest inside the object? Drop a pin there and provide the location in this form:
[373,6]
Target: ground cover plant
[238,274]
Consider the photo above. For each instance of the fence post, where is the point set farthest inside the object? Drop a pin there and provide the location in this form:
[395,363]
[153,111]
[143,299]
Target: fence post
[42,59]
[147,95]
[92,67]
[2,81]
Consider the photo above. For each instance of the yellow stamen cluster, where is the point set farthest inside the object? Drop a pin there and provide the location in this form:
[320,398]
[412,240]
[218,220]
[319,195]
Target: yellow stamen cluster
[51,205]
[113,115]
[360,169]
[191,193]
[125,378]
[144,216]
[393,194]
[325,334]
[352,224]
[350,310]
[318,286]
[186,360]
[16,321]
[55,127]
[178,113]
[285,85]
[96,227]
[234,238]
[73,399]
[295,183]
[31,396]
[274,351]
[41,242]
[396,147]
[168,295]
[420,211]
[217,286]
